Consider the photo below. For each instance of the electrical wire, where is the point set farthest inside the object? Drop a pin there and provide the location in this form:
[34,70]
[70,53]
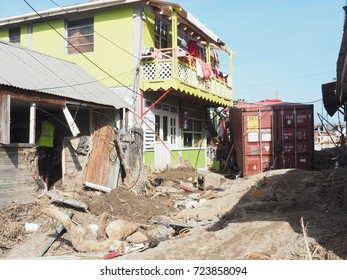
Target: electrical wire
[86,83]
[81,53]
[113,43]
[110,41]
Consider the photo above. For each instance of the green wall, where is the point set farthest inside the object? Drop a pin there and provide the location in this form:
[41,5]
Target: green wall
[195,157]
[113,35]
[149,159]
[174,158]
[4,35]
[149,29]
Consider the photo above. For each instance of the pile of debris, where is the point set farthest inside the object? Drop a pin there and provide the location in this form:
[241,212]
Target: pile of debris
[72,219]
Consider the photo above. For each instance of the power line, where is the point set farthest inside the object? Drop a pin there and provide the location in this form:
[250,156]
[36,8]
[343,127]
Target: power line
[86,57]
[110,41]
[86,83]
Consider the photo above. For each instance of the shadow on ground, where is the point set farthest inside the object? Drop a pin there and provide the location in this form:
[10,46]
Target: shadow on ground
[318,197]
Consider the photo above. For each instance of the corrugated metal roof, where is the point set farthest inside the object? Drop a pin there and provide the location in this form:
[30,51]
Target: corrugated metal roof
[28,69]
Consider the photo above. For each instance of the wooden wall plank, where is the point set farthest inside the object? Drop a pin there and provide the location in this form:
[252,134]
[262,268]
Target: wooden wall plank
[99,163]
[17,172]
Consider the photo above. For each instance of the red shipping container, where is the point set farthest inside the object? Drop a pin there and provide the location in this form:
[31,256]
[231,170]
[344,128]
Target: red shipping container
[272,135]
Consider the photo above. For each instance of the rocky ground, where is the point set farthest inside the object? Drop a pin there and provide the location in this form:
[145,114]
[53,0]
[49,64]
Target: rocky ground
[283,215]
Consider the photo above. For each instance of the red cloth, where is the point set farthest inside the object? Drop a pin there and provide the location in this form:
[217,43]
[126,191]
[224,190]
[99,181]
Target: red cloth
[205,70]
[193,49]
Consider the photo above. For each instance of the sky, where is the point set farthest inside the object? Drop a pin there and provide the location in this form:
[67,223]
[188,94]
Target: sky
[284,46]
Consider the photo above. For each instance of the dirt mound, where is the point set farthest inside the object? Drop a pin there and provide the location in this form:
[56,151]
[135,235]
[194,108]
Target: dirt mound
[126,204]
[181,173]
[255,217]
[261,216]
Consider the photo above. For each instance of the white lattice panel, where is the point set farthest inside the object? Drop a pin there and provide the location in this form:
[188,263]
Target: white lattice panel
[165,70]
[194,80]
[148,71]
[183,73]
[180,69]
[213,86]
[186,74]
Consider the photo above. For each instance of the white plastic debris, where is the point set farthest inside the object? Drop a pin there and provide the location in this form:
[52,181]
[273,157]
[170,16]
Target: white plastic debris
[30,227]
[94,229]
[195,204]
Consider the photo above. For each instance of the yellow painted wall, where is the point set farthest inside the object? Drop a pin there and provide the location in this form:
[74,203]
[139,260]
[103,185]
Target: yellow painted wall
[4,35]
[46,40]
[23,35]
[116,26]
[149,29]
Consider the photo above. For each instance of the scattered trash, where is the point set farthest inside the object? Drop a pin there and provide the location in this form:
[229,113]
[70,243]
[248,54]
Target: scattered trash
[129,248]
[195,203]
[119,246]
[137,237]
[94,229]
[96,187]
[157,182]
[189,187]
[112,255]
[71,202]
[31,227]
[162,231]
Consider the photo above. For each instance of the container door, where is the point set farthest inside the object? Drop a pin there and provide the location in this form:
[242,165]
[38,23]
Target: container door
[294,143]
[258,153]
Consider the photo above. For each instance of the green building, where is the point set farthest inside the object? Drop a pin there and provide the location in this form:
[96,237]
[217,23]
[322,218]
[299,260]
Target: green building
[153,54]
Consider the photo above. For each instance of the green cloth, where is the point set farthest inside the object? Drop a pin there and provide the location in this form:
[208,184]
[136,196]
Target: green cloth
[47,133]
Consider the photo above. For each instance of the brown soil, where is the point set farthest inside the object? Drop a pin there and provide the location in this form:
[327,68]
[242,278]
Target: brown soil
[249,218]
[127,205]
[183,173]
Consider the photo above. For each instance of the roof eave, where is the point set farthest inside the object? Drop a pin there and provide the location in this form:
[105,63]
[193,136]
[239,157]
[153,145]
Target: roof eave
[53,12]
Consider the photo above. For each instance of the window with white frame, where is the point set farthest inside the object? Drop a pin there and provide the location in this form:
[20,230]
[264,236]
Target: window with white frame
[80,35]
[173,131]
[14,36]
[161,125]
[192,135]
[161,34]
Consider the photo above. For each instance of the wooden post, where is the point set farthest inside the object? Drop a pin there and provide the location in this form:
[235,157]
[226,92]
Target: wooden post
[229,155]
[32,125]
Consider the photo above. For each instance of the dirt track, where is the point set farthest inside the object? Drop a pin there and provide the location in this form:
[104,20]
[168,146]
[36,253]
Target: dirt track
[254,218]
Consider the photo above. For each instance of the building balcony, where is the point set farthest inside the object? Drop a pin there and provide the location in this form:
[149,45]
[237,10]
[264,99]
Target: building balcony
[174,68]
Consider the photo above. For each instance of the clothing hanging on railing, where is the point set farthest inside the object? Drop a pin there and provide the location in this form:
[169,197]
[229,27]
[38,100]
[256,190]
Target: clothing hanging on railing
[204,70]
[193,49]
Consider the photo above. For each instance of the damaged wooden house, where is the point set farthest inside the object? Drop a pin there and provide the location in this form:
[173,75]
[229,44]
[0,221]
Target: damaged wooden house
[83,111]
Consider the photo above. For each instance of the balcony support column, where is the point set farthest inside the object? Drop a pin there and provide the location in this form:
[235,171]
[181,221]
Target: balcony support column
[208,52]
[231,65]
[174,43]
[174,28]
